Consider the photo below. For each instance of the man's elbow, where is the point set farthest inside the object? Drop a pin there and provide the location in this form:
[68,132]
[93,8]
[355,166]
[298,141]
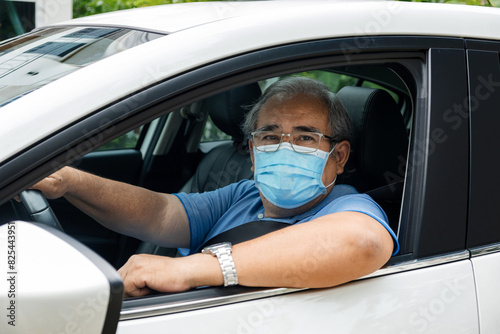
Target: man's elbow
[374,249]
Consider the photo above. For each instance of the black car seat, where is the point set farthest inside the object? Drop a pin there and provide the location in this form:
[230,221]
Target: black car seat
[378,149]
[227,163]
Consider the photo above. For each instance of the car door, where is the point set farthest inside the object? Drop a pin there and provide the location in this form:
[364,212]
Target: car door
[483,232]
[429,285]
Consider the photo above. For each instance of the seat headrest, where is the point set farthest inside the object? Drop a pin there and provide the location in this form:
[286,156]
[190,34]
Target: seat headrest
[380,140]
[228,108]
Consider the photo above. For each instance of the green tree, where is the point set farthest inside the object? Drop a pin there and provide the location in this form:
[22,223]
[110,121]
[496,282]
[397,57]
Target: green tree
[91,7]
[489,3]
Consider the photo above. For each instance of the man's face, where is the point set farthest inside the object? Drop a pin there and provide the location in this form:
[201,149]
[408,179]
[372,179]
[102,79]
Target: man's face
[303,113]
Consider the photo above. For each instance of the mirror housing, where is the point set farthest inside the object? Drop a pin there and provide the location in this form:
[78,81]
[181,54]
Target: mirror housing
[51,283]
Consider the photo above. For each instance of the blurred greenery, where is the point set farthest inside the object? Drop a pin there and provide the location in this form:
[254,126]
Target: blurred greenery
[128,140]
[212,133]
[463,2]
[489,3]
[91,7]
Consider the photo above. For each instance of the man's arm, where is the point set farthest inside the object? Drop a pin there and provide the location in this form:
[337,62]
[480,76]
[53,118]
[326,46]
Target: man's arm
[327,251]
[144,214]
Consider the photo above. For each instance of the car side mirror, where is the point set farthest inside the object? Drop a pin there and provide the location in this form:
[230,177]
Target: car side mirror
[51,283]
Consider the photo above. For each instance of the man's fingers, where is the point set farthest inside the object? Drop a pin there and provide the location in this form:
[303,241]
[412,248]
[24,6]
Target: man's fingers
[134,283]
[137,292]
[52,186]
[144,274]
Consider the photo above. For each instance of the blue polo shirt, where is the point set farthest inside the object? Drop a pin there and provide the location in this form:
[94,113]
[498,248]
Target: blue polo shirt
[211,213]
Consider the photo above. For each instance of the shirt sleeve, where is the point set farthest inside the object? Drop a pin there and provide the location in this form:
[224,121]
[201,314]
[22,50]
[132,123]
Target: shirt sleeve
[364,204]
[205,209]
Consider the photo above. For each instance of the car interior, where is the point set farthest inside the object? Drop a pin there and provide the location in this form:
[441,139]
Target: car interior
[200,147]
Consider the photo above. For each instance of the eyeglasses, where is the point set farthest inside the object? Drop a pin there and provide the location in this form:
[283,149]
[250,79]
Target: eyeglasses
[301,142]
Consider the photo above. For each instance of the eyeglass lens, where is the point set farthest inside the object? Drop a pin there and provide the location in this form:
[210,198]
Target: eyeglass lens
[300,141]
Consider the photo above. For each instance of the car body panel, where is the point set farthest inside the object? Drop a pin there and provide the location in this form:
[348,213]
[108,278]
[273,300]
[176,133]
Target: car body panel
[432,300]
[486,274]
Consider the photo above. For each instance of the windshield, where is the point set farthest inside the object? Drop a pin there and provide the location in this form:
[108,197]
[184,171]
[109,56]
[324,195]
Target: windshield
[37,58]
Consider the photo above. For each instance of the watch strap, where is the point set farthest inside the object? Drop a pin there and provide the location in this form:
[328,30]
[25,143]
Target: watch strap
[223,253]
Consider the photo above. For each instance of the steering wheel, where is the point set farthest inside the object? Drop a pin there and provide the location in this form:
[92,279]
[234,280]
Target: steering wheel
[34,207]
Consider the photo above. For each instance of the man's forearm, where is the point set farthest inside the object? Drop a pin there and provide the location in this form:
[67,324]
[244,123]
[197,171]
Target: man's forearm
[119,206]
[322,253]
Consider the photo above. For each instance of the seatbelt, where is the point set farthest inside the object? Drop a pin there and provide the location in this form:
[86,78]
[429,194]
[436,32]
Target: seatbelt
[391,192]
[247,231]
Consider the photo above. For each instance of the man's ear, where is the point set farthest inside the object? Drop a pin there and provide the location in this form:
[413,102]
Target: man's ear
[341,155]
[250,148]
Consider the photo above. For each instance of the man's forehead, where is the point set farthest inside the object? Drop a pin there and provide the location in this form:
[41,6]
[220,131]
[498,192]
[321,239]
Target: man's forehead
[300,113]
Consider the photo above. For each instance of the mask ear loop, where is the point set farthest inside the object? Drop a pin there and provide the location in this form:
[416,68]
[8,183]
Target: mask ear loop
[331,184]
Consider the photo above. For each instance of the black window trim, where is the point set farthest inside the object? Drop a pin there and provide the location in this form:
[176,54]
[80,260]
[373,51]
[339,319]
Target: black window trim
[483,61]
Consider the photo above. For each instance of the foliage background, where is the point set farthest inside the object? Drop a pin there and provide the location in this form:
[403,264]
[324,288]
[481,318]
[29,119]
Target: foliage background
[91,7]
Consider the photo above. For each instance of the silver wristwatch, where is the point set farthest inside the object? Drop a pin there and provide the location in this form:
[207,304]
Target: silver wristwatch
[223,253]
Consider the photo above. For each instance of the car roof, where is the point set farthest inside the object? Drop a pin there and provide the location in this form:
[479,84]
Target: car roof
[202,33]
[379,16]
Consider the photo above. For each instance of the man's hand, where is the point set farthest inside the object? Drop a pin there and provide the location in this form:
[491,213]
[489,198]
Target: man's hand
[55,185]
[144,273]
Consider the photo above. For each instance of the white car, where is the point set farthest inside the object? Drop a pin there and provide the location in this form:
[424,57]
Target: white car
[154,96]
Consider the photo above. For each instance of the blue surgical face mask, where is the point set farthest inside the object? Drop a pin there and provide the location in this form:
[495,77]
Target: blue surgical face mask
[289,179]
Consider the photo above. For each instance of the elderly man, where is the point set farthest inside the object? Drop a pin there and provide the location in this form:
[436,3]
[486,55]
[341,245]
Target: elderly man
[299,144]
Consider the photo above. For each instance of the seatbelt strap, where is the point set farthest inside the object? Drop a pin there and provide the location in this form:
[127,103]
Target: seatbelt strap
[245,232]
[390,192]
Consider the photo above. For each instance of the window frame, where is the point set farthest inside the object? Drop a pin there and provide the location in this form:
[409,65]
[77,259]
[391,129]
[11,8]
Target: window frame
[67,145]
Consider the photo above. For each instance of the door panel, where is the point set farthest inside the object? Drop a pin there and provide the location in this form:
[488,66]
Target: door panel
[487,276]
[438,299]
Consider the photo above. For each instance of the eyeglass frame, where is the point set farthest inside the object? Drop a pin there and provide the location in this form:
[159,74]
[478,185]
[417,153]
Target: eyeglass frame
[331,139]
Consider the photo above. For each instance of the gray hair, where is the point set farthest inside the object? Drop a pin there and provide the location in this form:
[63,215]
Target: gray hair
[339,121]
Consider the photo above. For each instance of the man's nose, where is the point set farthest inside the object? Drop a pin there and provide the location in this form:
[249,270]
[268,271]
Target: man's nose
[289,136]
